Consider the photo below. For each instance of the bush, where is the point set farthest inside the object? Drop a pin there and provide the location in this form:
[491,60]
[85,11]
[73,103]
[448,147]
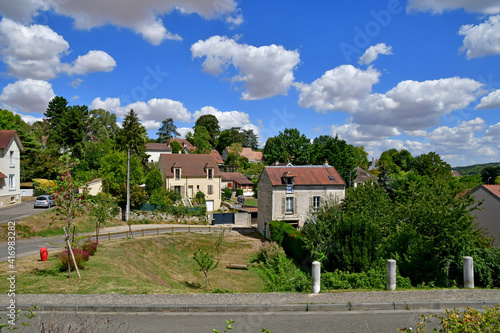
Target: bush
[43,186]
[239,191]
[281,274]
[456,321]
[199,197]
[227,193]
[90,246]
[268,251]
[289,238]
[241,199]
[371,279]
[81,257]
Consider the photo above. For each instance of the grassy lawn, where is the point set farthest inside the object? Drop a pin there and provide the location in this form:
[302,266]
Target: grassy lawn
[146,265]
[251,202]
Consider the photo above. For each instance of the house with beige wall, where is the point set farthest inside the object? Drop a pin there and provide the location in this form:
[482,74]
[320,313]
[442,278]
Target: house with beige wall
[487,217]
[190,173]
[10,167]
[288,193]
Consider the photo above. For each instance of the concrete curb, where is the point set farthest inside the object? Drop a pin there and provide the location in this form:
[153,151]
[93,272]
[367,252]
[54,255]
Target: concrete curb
[340,307]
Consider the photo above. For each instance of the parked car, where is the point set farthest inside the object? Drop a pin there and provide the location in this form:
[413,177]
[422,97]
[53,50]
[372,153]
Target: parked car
[44,201]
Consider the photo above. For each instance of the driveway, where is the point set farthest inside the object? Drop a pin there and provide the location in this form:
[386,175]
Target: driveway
[17,212]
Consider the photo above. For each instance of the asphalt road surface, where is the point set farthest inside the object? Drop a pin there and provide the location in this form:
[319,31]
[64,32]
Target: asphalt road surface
[288,322]
[17,212]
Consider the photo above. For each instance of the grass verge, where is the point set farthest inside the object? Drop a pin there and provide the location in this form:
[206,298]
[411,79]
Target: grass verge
[149,265]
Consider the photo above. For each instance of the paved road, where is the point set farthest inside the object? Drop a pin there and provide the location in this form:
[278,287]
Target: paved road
[25,247]
[290,322]
[17,212]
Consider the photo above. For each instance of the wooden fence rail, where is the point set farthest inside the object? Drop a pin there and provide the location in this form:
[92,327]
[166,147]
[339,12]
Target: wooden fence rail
[172,230]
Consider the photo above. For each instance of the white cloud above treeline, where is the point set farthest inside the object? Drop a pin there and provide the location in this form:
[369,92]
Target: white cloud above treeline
[482,39]
[265,71]
[439,6]
[28,96]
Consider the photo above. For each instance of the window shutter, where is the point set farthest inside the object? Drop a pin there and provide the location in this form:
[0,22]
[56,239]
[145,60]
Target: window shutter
[311,203]
[294,205]
[171,188]
[284,206]
[183,191]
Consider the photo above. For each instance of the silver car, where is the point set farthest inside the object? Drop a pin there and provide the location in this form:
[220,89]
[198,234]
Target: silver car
[44,201]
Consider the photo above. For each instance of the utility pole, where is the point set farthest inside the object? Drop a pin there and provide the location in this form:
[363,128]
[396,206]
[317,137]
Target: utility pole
[127,211]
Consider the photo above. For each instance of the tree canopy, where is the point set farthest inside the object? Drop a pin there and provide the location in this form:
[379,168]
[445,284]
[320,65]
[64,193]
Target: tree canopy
[167,131]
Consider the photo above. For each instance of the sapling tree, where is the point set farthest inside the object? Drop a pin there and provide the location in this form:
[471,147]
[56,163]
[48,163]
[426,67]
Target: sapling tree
[219,240]
[206,262]
[103,210]
[70,203]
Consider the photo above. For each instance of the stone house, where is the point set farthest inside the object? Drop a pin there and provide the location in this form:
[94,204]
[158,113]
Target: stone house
[190,173]
[10,167]
[288,193]
[488,216]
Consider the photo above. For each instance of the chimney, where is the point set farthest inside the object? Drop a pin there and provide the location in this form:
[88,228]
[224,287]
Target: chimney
[326,162]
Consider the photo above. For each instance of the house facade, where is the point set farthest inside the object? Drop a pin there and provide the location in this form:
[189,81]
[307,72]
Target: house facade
[154,150]
[235,180]
[10,167]
[363,176]
[252,156]
[488,216]
[288,193]
[190,173]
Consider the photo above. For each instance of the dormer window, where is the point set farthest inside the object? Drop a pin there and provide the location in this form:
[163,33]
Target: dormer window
[177,173]
[210,173]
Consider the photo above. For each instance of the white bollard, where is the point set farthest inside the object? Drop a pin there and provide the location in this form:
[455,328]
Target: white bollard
[316,277]
[468,273]
[391,274]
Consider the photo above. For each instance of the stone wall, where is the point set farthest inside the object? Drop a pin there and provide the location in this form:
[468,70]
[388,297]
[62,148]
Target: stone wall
[8,200]
[162,217]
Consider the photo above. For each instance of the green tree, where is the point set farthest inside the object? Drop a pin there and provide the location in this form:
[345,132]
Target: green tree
[103,210]
[167,131]
[489,174]
[228,137]
[337,152]
[206,263]
[133,136]
[101,125]
[176,148]
[54,115]
[114,171]
[431,165]
[154,181]
[288,146]
[211,124]
[201,140]
[360,157]
[250,139]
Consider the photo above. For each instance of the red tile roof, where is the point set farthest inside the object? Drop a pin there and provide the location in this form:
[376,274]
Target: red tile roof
[2,175]
[493,189]
[305,175]
[251,155]
[217,156]
[192,165]
[6,137]
[236,177]
[182,142]
[158,147]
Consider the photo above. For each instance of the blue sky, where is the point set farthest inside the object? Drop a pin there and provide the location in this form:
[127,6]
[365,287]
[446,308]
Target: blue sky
[422,75]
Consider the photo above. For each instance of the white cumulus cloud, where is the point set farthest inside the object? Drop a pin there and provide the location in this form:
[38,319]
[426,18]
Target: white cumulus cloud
[490,101]
[29,96]
[265,71]
[440,6]
[94,61]
[143,17]
[341,88]
[482,39]
[228,119]
[372,53]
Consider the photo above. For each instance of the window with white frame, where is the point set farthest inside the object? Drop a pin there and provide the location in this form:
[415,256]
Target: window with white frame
[12,164]
[210,173]
[177,173]
[289,205]
[12,182]
[316,202]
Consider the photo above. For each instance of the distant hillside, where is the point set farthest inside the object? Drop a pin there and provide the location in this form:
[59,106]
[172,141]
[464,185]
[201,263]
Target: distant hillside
[473,169]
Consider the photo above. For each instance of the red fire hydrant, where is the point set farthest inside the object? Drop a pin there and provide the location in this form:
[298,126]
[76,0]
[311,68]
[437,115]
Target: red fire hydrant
[43,254]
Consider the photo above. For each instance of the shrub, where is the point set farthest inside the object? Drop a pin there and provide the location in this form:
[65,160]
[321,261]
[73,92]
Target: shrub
[90,246]
[371,279]
[227,193]
[268,251]
[289,238]
[199,197]
[241,199]
[281,274]
[239,191]
[43,186]
[81,258]
[456,321]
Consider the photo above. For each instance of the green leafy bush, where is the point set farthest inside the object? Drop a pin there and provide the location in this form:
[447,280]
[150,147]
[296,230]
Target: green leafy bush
[239,191]
[285,235]
[268,251]
[227,193]
[456,321]
[371,279]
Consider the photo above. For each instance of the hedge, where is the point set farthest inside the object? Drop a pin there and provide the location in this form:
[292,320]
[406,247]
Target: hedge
[289,238]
